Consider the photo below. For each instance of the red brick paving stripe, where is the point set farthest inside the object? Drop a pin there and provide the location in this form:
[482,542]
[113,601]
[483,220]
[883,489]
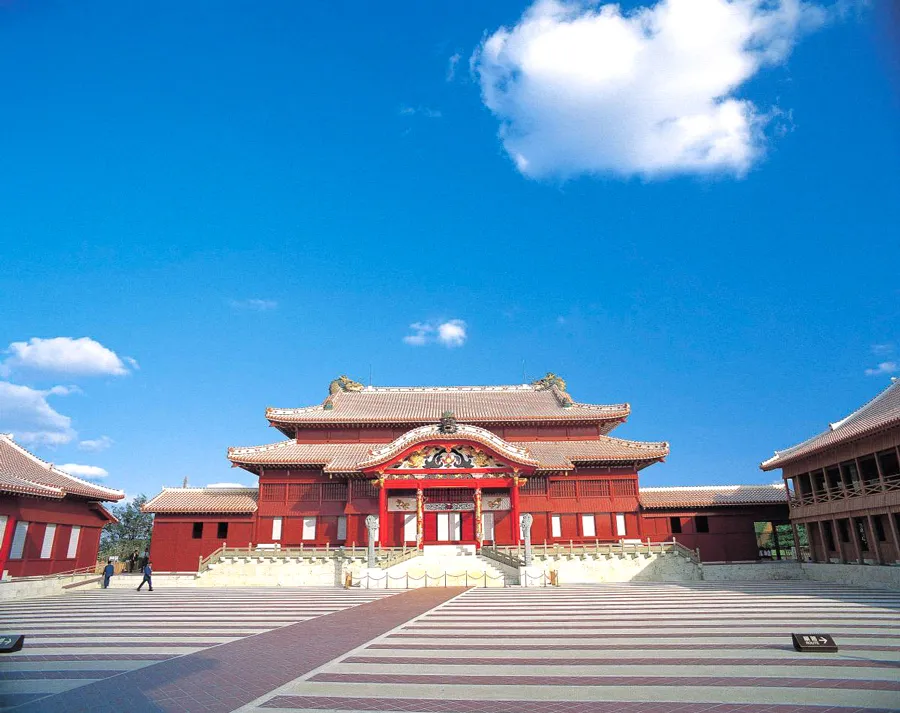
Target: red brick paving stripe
[461,706]
[474,661]
[718,635]
[88,643]
[513,627]
[612,647]
[620,681]
[31,675]
[227,676]
[92,657]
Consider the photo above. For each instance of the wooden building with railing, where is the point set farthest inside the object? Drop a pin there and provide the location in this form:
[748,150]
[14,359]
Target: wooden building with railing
[844,484]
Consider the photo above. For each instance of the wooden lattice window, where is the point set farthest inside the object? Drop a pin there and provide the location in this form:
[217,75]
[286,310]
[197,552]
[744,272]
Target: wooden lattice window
[595,488]
[364,489]
[303,492]
[334,491]
[272,491]
[621,488]
[534,486]
[562,488]
[449,495]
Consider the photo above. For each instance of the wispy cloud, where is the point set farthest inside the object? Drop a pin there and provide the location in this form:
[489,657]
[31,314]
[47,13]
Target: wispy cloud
[253,304]
[95,445]
[84,471]
[75,357]
[451,333]
[883,369]
[451,66]
[882,349]
[424,111]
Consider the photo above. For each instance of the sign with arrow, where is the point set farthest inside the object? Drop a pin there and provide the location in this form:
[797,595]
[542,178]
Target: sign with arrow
[10,643]
[814,643]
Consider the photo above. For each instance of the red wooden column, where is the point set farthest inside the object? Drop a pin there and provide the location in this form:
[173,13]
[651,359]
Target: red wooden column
[874,547]
[895,533]
[479,533]
[514,502]
[382,513]
[6,541]
[420,518]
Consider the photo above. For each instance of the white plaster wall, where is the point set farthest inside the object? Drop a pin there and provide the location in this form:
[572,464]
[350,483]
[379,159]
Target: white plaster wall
[752,571]
[588,569]
[276,572]
[12,590]
[876,577]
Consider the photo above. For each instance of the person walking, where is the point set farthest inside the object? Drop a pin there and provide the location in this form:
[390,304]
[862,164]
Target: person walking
[108,572]
[148,572]
[133,561]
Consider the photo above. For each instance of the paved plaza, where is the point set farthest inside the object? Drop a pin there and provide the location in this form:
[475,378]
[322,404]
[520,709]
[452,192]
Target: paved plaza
[604,648]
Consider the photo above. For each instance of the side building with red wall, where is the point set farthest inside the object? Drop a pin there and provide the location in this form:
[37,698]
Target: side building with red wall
[50,521]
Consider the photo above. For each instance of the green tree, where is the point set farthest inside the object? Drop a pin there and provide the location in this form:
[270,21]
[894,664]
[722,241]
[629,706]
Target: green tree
[131,532]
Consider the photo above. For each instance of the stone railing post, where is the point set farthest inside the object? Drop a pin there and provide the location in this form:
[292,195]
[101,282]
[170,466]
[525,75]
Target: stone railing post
[527,520]
[371,526]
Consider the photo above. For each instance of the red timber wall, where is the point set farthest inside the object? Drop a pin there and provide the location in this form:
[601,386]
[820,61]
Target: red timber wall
[731,536]
[39,513]
[599,492]
[176,548]
[295,494]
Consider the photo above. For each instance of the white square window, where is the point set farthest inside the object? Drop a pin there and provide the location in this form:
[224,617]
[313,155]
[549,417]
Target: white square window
[276,529]
[18,544]
[556,526]
[74,536]
[620,524]
[587,526]
[309,528]
[47,546]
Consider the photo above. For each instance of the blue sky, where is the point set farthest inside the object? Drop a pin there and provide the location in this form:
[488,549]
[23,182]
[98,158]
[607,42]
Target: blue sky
[250,199]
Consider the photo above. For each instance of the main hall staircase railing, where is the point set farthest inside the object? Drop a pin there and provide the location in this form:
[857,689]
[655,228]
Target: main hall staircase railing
[516,554]
[384,556]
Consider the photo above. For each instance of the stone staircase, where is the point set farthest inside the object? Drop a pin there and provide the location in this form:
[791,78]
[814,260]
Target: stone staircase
[440,566]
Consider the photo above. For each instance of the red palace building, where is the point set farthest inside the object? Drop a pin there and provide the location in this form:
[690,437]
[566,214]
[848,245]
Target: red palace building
[441,465]
[50,521]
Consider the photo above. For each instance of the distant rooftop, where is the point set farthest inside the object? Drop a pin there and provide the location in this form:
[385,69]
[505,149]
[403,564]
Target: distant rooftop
[214,499]
[878,414]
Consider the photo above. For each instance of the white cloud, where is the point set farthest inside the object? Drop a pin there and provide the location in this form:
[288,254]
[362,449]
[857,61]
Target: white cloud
[95,445]
[32,420]
[83,471]
[226,485]
[451,66]
[452,333]
[254,305]
[882,349]
[884,368]
[82,356]
[580,87]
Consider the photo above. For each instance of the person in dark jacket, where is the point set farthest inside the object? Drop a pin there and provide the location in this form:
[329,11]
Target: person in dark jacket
[108,572]
[148,572]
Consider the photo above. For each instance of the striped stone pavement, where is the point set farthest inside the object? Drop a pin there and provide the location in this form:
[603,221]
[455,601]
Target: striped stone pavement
[76,639]
[621,648]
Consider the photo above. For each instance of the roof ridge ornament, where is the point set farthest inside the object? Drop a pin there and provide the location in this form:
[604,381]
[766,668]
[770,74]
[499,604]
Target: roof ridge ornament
[549,381]
[343,383]
[448,423]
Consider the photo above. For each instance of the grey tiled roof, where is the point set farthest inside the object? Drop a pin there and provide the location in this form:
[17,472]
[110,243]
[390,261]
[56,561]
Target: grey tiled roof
[203,500]
[712,496]
[472,404]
